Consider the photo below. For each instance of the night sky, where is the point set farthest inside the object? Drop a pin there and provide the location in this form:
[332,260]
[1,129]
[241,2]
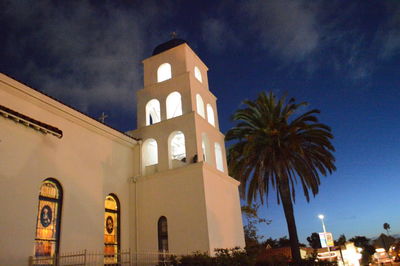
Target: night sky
[340,56]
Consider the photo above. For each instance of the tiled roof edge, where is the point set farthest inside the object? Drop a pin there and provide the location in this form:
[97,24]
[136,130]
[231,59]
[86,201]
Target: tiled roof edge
[73,108]
[30,122]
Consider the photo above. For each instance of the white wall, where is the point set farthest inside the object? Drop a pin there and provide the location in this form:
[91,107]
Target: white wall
[179,196]
[225,227]
[90,161]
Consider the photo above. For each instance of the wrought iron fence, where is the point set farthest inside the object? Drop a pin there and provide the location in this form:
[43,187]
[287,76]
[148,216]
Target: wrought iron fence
[124,258]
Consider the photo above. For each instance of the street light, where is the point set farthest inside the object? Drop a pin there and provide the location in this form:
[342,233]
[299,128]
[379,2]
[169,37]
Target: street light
[321,216]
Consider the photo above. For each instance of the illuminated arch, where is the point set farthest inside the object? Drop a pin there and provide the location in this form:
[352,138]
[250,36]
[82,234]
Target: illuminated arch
[205,146]
[47,240]
[174,105]
[150,156]
[210,115]
[197,74]
[164,72]
[177,149]
[153,114]
[200,106]
[218,157]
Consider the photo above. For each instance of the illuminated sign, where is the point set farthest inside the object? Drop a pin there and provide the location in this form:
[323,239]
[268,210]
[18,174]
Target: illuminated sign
[326,242]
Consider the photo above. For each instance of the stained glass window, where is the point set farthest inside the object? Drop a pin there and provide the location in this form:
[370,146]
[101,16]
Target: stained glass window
[162,234]
[111,229]
[48,219]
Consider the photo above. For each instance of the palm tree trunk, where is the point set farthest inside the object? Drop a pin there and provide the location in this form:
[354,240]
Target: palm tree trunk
[291,223]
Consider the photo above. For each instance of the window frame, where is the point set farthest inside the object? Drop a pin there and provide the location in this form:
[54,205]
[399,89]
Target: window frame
[162,235]
[118,213]
[59,202]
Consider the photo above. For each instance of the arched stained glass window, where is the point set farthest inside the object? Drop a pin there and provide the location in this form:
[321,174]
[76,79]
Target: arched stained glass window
[162,234]
[164,72]
[111,229]
[48,221]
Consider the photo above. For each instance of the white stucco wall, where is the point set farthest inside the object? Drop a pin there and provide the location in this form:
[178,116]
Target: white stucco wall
[225,227]
[179,196]
[90,161]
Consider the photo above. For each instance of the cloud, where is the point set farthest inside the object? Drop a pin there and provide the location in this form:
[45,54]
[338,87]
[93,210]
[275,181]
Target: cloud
[217,35]
[85,55]
[389,34]
[286,28]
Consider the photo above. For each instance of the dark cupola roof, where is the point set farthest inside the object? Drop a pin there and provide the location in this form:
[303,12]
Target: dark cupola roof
[168,45]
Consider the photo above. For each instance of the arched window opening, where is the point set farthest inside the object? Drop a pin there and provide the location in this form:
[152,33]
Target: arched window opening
[150,156]
[153,114]
[162,234]
[210,115]
[111,229]
[174,105]
[200,106]
[218,157]
[197,74]
[177,149]
[205,146]
[164,72]
[48,220]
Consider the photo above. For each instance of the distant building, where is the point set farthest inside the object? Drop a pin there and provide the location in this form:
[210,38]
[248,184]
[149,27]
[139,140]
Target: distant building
[275,254]
[383,241]
[69,182]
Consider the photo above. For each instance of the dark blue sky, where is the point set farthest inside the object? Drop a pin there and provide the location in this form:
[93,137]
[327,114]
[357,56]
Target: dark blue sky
[340,56]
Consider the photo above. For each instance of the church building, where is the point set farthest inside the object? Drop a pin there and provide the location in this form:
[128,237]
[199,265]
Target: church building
[71,183]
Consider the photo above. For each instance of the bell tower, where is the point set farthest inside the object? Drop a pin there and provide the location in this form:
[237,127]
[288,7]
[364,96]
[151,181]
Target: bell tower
[184,179]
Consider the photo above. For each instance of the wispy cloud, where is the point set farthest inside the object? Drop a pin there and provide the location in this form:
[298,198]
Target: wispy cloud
[217,35]
[286,28]
[85,55]
[389,34]
[310,35]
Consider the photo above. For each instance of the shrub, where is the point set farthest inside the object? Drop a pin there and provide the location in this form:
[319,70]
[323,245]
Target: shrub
[239,257]
[223,257]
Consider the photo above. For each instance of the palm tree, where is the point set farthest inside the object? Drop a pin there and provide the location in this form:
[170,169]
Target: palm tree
[386,226]
[273,147]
